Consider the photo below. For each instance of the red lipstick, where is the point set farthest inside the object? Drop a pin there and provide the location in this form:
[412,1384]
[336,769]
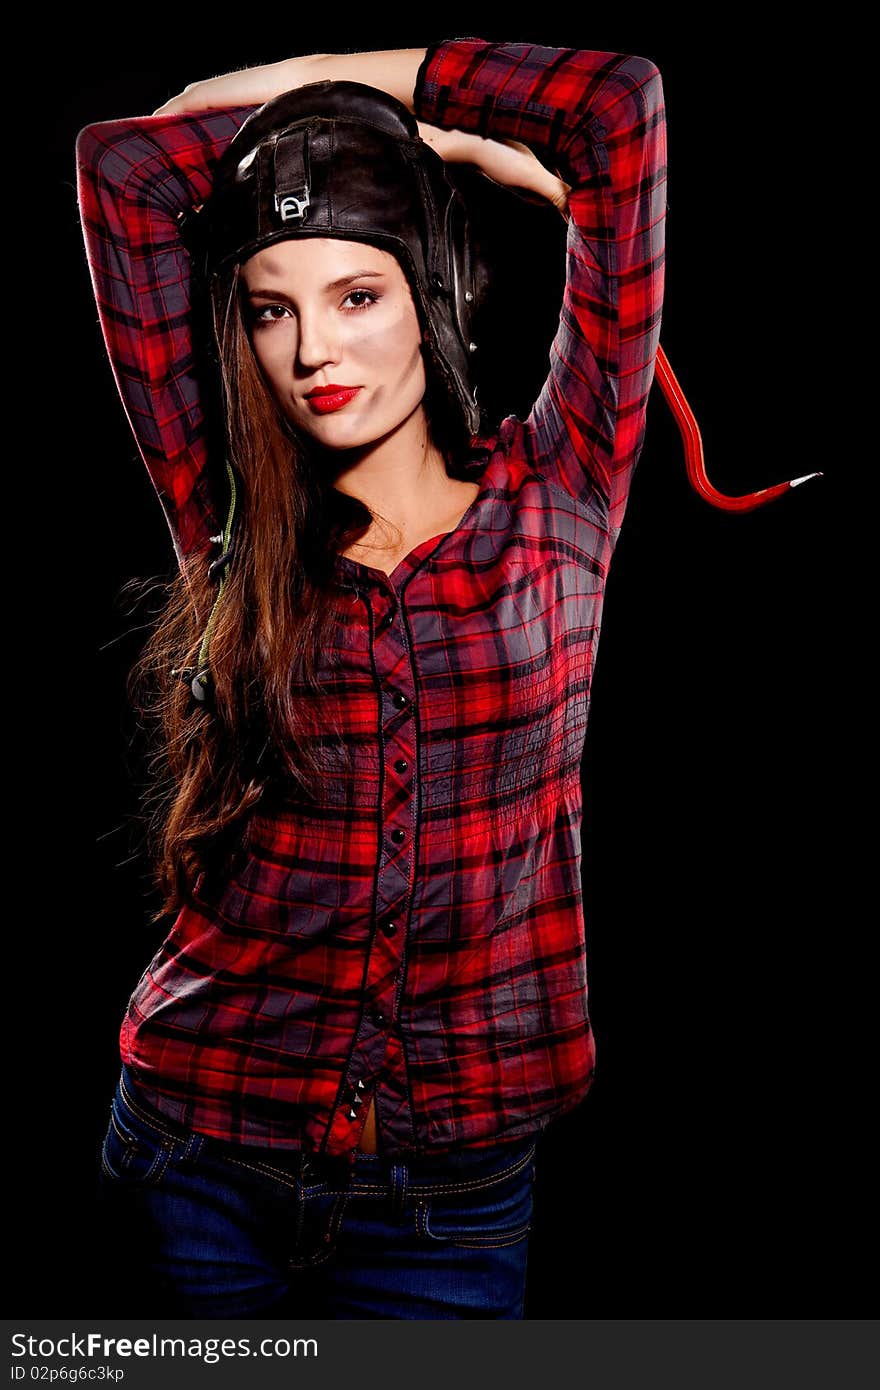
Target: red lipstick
[327,398]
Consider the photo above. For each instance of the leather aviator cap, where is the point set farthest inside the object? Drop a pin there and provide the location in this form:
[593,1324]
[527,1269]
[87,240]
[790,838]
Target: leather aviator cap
[343,159]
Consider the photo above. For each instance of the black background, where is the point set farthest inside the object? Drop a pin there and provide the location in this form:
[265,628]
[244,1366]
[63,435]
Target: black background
[715,1168]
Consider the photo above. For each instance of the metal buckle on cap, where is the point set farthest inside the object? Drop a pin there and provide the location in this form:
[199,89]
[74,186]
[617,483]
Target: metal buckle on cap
[292,206]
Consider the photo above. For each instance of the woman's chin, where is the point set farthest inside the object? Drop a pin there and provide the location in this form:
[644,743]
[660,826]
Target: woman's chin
[335,429]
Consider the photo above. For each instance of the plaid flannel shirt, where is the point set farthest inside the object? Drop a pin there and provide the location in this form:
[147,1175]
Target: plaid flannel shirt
[418,935]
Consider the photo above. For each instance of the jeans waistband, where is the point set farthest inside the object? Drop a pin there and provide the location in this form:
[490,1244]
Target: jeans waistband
[465,1166]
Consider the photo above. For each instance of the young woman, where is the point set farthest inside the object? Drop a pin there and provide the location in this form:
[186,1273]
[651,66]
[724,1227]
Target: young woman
[373,997]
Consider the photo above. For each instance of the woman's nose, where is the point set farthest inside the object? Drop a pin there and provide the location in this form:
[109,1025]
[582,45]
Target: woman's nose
[318,342]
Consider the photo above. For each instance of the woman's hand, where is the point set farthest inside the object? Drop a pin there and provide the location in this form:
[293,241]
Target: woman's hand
[505,162]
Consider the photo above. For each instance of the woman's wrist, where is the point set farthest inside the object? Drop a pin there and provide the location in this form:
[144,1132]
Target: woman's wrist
[297,71]
[509,163]
[392,70]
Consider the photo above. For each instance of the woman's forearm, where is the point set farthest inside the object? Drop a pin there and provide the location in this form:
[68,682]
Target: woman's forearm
[392,70]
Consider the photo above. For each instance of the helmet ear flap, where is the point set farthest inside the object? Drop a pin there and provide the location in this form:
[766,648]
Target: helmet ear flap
[470,266]
[469,277]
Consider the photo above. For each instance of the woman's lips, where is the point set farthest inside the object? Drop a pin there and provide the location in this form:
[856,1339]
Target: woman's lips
[324,404]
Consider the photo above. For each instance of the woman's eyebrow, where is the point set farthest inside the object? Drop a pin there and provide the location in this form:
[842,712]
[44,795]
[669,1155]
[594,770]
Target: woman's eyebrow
[334,285]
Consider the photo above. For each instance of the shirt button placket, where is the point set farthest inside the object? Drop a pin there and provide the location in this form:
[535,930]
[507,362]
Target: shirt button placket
[395,677]
[394,668]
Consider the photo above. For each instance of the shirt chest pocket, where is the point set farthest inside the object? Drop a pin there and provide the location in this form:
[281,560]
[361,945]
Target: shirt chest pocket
[490,653]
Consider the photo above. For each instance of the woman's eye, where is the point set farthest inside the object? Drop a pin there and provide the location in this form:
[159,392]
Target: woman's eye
[371,299]
[267,308]
[366,299]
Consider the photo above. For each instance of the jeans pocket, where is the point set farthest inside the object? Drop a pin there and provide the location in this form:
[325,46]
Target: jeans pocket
[133,1152]
[497,1211]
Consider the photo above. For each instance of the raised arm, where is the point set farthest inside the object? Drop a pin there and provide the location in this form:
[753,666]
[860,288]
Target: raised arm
[595,118]
[598,120]
[135,177]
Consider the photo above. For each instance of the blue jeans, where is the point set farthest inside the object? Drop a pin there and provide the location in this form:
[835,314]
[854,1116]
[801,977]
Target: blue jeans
[218,1230]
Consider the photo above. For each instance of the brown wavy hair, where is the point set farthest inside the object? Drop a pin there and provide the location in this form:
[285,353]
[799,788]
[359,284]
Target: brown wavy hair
[208,766]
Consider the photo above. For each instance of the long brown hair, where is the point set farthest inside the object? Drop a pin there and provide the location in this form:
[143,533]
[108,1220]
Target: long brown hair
[208,766]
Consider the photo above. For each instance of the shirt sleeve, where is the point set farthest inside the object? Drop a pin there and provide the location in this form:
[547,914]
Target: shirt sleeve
[598,120]
[136,177]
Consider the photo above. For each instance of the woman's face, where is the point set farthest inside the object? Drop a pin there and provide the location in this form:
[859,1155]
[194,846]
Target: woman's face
[324,312]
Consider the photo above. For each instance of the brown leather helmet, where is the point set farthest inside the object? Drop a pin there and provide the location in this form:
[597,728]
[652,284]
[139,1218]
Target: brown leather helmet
[343,159]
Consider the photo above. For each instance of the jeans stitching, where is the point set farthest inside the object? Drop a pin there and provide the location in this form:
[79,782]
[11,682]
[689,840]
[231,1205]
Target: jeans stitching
[130,1141]
[146,1120]
[329,1239]
[487,1239]
[476,1183]
[474,1242]
[267,1170]
[366,1189]
[404,1187]
[421,1209]
[264,1170]
[308,1261]
[332,1232]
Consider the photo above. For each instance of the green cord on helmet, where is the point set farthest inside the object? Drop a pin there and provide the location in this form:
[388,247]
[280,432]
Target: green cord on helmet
[200,676]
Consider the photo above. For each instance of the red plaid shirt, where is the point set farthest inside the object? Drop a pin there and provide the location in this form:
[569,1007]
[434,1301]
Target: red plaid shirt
[418,936]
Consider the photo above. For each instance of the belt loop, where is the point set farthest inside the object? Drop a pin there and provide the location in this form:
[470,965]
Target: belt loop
[399,1175]
[194,1145]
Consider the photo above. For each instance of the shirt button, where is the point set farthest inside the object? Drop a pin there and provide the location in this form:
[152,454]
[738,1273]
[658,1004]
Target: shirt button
[386,621]
[378,1017]
[389,926]
[398,836]
[399,699]
[401,765]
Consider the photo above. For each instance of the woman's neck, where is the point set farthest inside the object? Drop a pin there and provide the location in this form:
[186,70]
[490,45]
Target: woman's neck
[402,479]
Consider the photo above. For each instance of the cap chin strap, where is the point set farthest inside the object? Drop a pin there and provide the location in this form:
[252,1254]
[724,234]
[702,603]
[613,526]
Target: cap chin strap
[199,676]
